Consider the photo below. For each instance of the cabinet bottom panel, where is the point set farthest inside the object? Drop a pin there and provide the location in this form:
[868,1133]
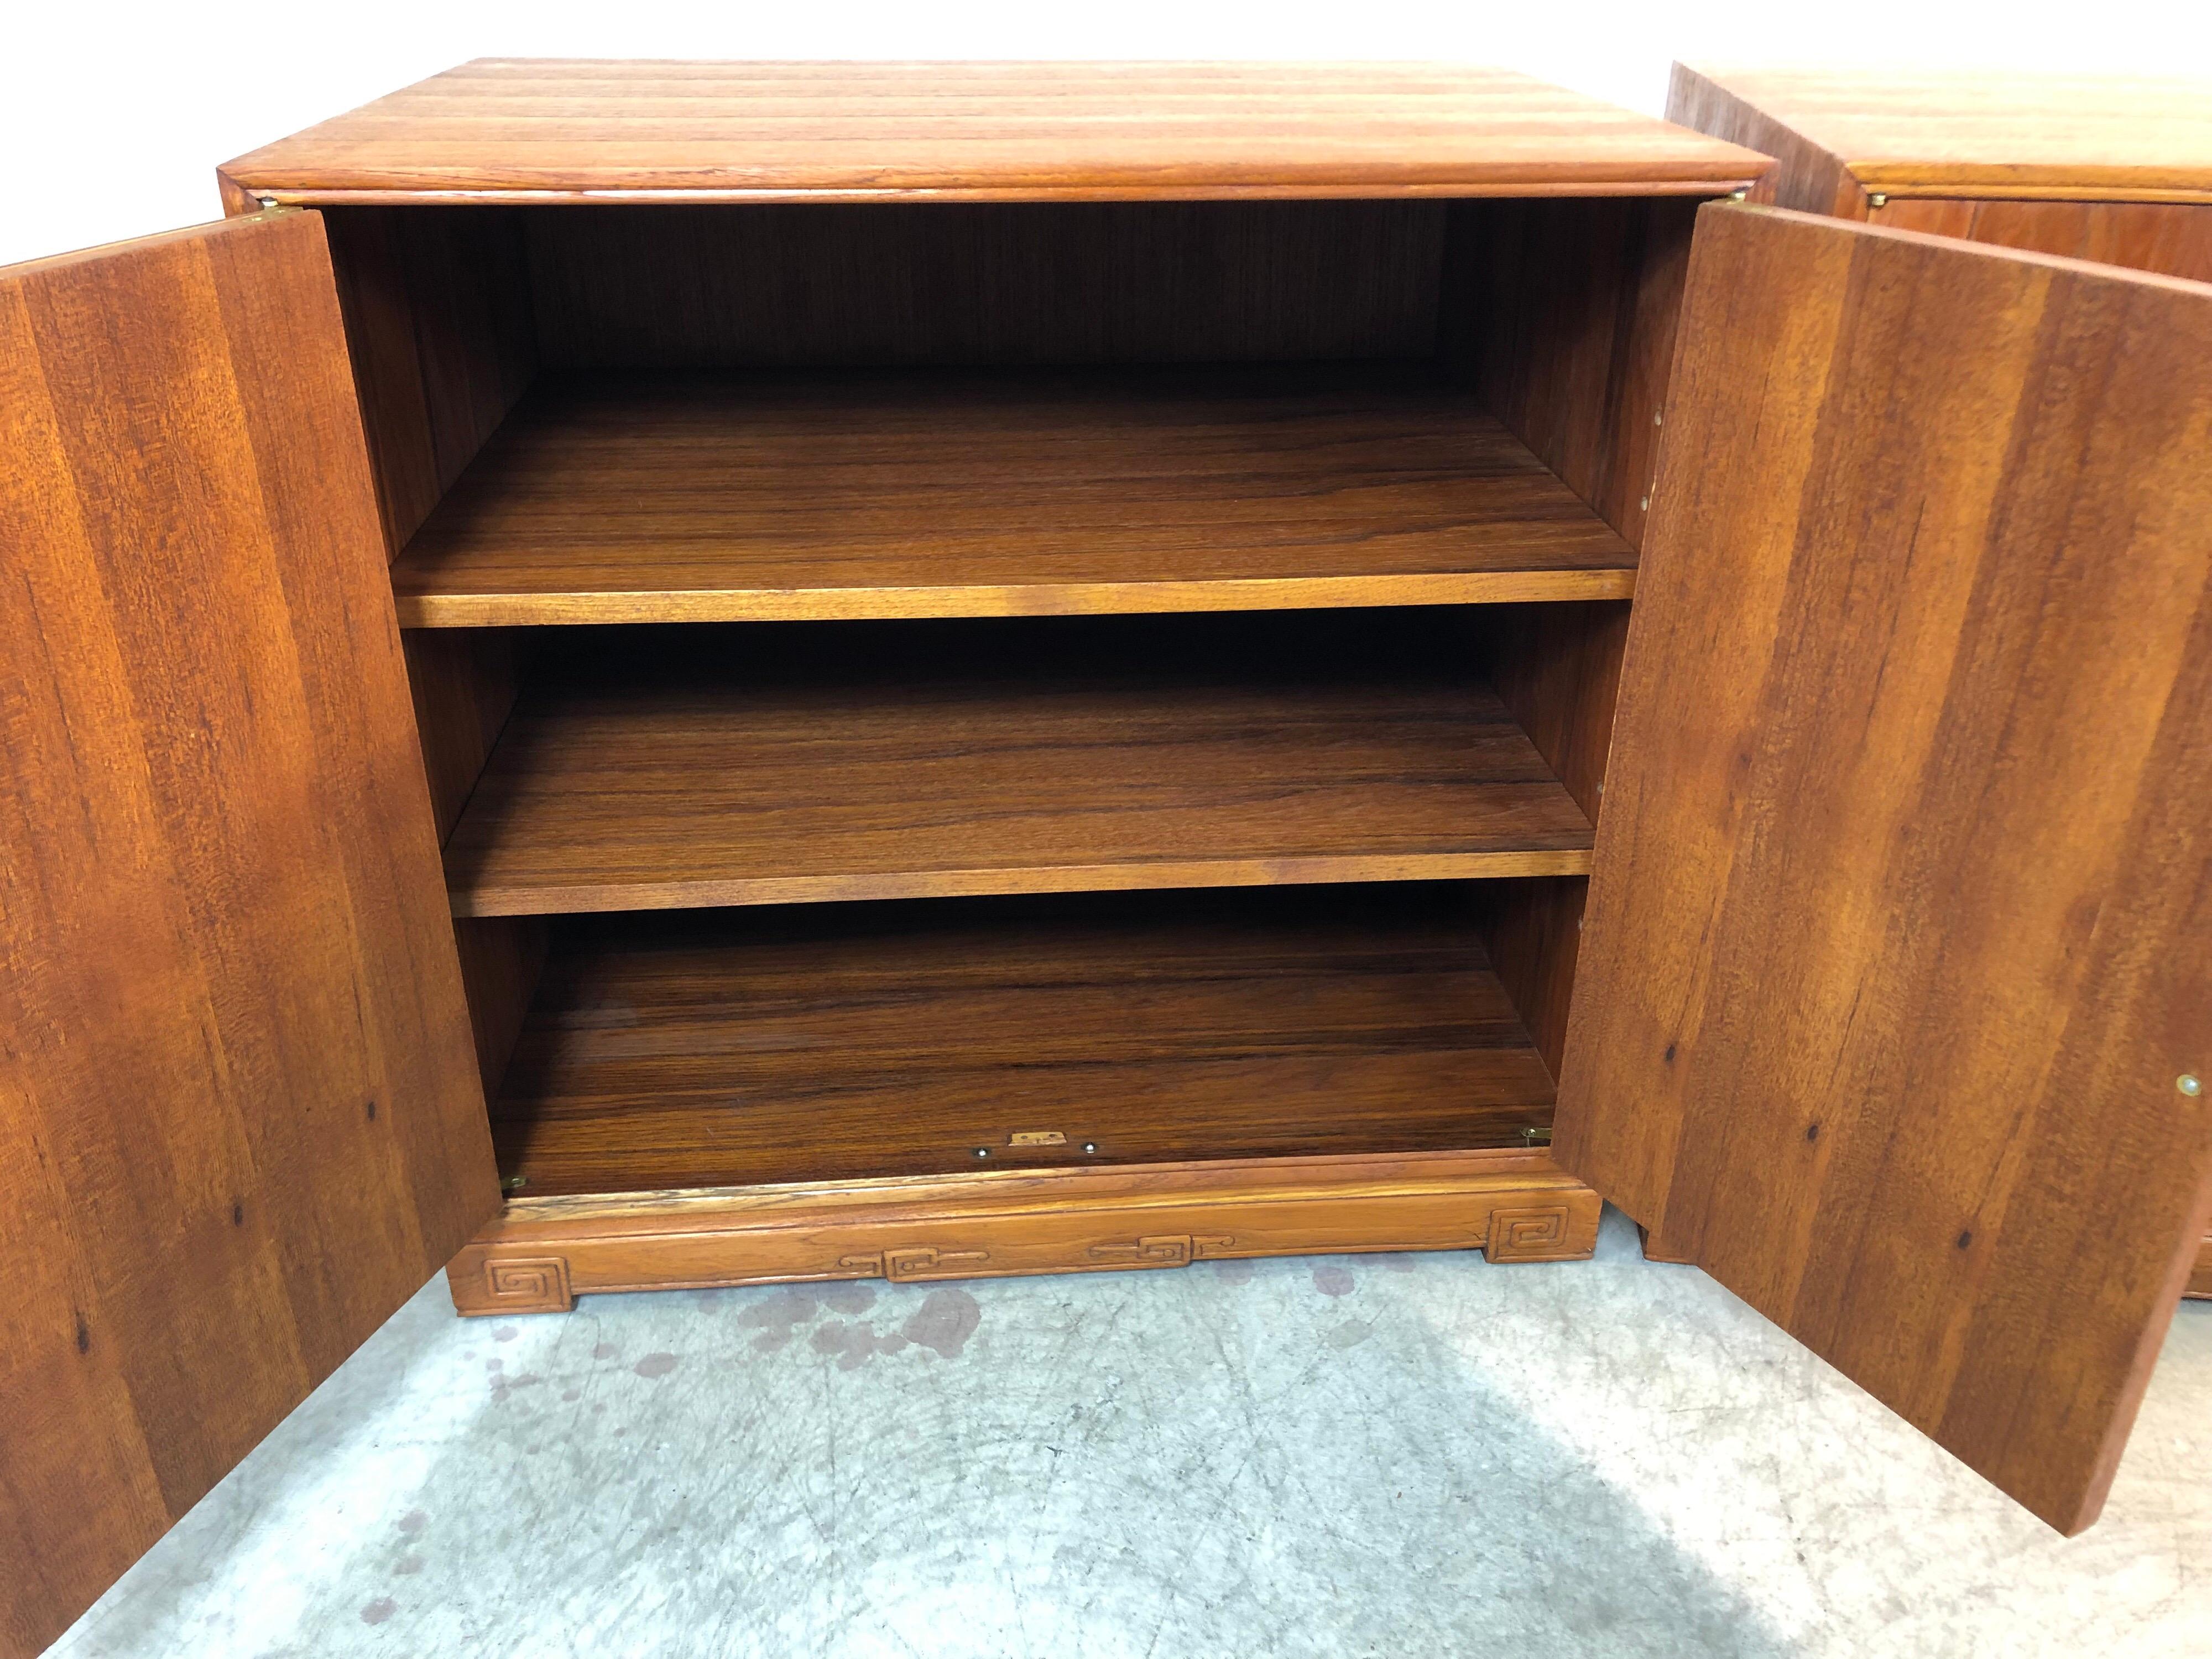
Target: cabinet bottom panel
[542,1253]
[846,1042]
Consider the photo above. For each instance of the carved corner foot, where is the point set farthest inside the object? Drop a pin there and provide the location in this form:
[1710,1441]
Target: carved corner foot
[509,1284]
[1563,1229]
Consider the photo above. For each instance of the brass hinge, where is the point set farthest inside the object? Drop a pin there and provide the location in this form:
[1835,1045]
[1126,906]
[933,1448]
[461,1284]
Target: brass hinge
[1536,1137]
[271,208]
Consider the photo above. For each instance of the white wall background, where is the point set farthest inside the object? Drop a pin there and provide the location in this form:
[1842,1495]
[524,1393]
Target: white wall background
[112,117]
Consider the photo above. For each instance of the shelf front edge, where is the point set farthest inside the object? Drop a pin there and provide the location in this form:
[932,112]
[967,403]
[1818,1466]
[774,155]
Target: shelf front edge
[425,608]
[706,892]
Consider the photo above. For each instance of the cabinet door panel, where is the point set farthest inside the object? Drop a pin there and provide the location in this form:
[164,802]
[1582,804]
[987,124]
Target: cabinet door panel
[239,1104]
[1899,940]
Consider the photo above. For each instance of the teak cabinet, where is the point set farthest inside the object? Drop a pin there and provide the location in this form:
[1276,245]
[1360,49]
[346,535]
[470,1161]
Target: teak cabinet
[925,671]
[2103,168]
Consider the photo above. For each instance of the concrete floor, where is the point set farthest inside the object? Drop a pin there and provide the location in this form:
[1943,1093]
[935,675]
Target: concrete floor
[1399,1456]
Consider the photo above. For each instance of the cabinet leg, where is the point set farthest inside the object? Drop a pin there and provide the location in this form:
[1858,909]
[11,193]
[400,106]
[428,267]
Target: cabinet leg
[2200,1281]
[1657,1249]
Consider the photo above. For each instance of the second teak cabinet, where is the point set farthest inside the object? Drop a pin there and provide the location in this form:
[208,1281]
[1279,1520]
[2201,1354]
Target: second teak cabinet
[1005,669]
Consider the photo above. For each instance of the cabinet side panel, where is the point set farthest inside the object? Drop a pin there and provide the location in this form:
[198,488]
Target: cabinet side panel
[1809,178]
[1561,315]
[439,324]
[1557,669]
[1531,929]
[503,960]
[464,684]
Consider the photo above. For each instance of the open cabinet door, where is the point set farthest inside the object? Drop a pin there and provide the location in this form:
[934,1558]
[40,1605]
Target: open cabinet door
[1896,979]
[239,1113]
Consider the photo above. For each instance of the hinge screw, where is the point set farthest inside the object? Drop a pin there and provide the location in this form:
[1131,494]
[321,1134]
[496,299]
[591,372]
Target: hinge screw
[514,1183]
[2189,1084]
[983,1152]
[1089,1145]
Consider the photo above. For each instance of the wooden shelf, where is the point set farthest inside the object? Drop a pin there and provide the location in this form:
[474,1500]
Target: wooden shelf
[814,1043]
[875,761]
[767,498]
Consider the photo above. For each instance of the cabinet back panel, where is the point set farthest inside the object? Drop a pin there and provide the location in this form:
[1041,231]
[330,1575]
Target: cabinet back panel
[782,285]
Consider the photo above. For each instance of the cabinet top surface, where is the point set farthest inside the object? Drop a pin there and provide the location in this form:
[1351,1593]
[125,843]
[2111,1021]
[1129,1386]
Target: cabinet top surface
[505,129]
[1968,131]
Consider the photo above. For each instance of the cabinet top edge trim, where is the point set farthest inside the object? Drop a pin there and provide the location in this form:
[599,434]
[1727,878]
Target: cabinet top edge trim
[2031,184]
[293,191]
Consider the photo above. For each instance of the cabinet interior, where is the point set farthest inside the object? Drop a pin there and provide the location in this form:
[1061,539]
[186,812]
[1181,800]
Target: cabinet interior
[913,688]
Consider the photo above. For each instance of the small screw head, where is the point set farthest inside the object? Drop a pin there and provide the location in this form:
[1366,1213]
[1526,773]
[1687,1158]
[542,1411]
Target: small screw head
[1657,415]
[983,1152]
[1644,505]
[515,1183]
[1089,1145]
[2189,1084]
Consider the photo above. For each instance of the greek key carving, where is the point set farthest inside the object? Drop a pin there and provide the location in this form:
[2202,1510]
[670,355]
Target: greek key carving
[537,1284]
[926,1262]
[1164,1251]
[1535,1234]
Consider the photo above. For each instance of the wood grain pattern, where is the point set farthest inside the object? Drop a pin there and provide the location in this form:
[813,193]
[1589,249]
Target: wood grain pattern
[1808,177]
[238,1106]
[902,760]
[2172,238]
[1901,927]
[1561,316]
[584,131]
[833,1043]
[756,498]
[503,960]
[542,1253]
[463,686]
[439,327]
[1531,929]
[882,284]
[1557,669]
[1936,132]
